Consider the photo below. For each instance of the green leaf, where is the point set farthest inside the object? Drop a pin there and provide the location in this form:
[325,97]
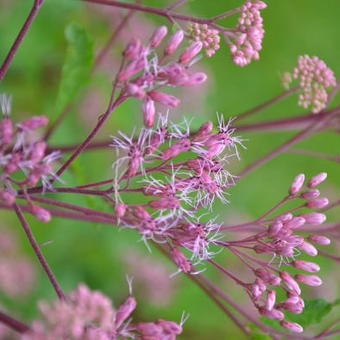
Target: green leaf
[77,66]
[315,310]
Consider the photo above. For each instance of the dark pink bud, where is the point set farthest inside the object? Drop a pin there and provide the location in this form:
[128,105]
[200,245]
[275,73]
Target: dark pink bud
[125,310]
[272,314]
[33,123]
[307,266]
[308,249]
[319,239]
[292,326]
[310,194]
[181,261]
[131,69]
[173,150]
[297,184]
[149,111]
[164,98]
[158,36]
[135,91]
[203,132]
[310,280]
[317,179]
[150,330]
[13,163]
[318,203]
[40,213]
[314,218]
[174,42]
[190,52]
[170,327]
[165,203]
[285,217]
[132,49]
[141,213]
[6,130]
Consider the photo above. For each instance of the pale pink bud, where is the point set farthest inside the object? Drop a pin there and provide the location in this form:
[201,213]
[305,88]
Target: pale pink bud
[158,35]
[181,261]
[120,209]
[190,52]
[308,249]
[131,69]
[33,123]
[164,98]
[290,283]
[6,130]
[307,266]
[174,42]
[292,326]
[270,300]
[125,310]
[285,217]
[295,222]
[297,184]
[317,179]
[310,194]
[314,218]
[170,327]
[319,239]
[310,280]
[149,111]
[193,79]
[132,49]
[40,213]
[318,203]
[135,91]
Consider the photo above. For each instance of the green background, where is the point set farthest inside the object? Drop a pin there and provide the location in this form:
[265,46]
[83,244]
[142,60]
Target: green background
[84,252]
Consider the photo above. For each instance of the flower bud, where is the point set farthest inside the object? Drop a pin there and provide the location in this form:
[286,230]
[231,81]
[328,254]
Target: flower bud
[314,218]
[319,239]
[292,326]
[40,213]
[310,194]
[120,209]
[135,91]
[125,310]
[181,261]
[193,79]
[158,35]
[297,184]
[310,280]
[7,197]
[308,249]
[149,111]
[290,283]
[164,98]
[190,52]
[132,49]
[317,179]
[307,266]
[318,203]
[270,300]
[33,123]
[6,130]
[174,42]
[295,223]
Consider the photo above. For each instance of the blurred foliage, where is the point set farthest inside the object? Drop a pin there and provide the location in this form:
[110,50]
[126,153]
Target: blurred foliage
[51,70]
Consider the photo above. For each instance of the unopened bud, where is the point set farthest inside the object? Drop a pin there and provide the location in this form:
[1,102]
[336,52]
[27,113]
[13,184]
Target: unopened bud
[190,52]
[158,36]
[297,184]
[317,179]
[174,42]
[149,111]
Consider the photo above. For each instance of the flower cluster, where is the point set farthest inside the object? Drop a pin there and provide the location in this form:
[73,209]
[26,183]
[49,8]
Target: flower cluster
[281,241]
[315,77]
[89,315]
[146,72]
[209,37]
[249,32]
[24,161]
[17,273]
[187,172]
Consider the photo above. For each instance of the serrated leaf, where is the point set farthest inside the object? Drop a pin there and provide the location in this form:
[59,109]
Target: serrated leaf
[315,310]
[77,66]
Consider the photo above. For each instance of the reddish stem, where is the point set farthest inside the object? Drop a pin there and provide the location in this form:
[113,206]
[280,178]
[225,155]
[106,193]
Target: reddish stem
[38,252]
[34,11]
[14,324]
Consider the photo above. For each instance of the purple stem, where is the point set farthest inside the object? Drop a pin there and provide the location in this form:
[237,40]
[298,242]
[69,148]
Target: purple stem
[14,324]
[34,11]
[38,252]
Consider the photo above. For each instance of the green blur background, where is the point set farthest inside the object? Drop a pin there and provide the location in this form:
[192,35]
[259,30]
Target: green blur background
[93,253]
